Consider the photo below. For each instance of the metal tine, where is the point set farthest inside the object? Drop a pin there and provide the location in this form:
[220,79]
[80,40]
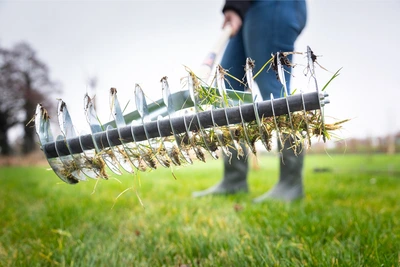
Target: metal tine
[132,149]
[222,91]
[218,134]
[196,101]
[70,165]
[189,134]
[144,153]
[306,119]
[95,127]
[278,133]
[246,134]
[282,79]
[121,152]
[311,66]
[68,130]
[256,98]
[143,110]
[116,110]
[190,137]
[167,97]
[249,77]
[43,130]
[93,159]
[168,146]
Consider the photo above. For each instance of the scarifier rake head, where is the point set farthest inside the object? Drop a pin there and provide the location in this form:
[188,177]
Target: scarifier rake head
[161,133]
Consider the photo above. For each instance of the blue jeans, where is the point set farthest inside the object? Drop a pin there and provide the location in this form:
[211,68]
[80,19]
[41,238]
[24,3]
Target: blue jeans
[268,27]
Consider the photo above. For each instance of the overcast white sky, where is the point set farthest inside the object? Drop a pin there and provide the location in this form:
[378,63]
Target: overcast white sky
[128,42]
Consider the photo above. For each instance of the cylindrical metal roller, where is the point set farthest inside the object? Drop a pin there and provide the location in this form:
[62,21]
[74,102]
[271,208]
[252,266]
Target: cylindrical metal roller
[162,128]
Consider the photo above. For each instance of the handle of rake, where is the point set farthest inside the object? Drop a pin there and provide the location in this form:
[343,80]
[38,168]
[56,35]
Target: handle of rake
[206,67]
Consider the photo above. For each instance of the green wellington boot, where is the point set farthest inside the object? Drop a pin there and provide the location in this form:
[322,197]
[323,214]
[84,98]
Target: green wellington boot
[234,179]
[290,184]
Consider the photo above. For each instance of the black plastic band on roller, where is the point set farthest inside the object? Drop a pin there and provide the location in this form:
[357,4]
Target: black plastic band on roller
[311,102]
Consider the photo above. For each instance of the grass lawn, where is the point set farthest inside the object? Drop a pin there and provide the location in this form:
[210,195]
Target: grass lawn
[349,217]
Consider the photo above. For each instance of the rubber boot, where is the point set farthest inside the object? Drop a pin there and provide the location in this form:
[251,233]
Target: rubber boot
[290,184]
[234,179]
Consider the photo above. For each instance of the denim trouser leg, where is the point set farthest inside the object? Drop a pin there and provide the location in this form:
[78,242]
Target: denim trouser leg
[268,27]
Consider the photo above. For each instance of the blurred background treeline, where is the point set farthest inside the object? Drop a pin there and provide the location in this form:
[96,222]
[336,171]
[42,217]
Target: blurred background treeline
[24,82]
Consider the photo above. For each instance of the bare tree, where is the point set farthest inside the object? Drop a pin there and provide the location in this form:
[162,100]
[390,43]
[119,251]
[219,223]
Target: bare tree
[24,82]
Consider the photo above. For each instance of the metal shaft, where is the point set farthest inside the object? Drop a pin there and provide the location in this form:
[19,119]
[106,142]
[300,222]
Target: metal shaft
[295,103]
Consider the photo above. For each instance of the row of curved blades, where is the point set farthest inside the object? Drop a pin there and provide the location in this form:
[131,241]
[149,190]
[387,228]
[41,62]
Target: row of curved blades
[174,137]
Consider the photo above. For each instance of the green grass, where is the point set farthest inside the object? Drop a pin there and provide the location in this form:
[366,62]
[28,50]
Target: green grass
[349,217]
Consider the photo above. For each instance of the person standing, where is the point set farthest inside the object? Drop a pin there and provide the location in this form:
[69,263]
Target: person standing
[259,29]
